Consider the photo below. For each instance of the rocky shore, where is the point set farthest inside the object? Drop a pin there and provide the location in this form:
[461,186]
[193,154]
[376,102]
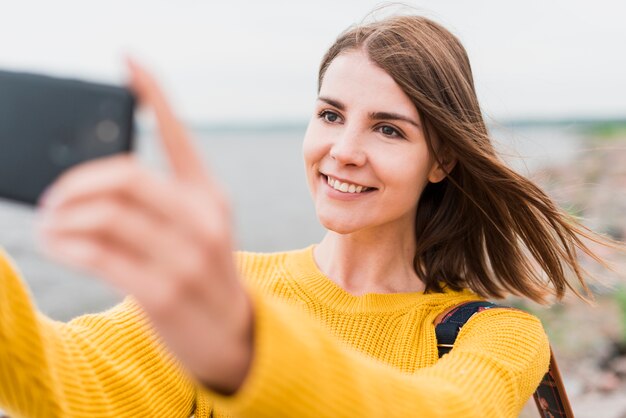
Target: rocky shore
[590,340]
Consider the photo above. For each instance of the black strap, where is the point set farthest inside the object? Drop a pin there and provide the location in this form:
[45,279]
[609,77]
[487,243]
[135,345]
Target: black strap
[450,325]
[550,397]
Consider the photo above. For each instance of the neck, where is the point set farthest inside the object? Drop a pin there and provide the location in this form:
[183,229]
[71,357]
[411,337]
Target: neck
[369,262]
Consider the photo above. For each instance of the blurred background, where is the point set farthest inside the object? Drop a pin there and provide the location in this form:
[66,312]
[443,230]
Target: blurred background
[549,76]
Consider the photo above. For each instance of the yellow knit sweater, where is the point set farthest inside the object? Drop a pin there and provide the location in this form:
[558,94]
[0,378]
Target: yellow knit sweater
[318,352]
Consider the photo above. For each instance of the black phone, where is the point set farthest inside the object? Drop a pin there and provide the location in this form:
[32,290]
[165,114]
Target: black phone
[48,124]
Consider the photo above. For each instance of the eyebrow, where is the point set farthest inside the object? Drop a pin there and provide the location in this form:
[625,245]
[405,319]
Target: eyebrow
[372,115]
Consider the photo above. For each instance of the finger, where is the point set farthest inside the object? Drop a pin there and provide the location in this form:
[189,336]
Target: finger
[94,257]
[200,212]
[103,218]
[103,174]
[123,224]
[114,265]
[179,149]
[181,275]
[118,177]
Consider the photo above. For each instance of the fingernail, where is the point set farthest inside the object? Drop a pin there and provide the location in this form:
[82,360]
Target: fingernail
[43,197]
[48,198]
[130,62]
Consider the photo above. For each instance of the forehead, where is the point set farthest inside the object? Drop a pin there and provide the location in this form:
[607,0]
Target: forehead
[353,79]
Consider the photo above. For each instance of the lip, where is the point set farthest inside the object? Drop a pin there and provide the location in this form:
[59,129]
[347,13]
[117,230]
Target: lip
[337,195]
[344,180]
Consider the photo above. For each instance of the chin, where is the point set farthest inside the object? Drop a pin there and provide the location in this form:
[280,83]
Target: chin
[340,226]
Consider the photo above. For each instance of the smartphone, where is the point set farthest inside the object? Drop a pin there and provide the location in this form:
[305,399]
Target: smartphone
[50,124]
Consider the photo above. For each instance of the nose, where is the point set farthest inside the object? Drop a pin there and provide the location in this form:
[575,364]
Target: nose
[347,148]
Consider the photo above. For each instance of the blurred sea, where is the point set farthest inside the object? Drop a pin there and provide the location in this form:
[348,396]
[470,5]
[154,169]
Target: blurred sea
[263,171]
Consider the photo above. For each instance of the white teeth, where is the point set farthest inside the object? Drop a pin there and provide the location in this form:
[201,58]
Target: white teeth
[345,187]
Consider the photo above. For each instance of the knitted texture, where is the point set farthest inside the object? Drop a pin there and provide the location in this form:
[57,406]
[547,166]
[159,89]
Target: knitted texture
[318,352]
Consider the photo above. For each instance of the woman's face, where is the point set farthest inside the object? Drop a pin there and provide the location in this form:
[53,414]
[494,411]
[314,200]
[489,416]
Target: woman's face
[366,140]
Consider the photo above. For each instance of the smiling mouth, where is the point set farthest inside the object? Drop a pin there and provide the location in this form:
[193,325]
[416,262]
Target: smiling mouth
[346,187]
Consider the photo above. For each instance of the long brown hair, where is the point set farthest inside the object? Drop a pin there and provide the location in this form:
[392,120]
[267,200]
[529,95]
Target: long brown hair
[484,227]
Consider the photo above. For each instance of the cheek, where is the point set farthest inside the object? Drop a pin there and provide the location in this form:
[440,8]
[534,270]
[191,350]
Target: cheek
[406,175]
[311,155]
[313,149]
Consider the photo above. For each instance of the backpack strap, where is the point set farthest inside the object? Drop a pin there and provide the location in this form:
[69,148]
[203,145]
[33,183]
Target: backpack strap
[550,397]
[449,326]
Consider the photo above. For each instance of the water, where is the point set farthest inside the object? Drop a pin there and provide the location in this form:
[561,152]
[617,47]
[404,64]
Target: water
[264,174]
[529,148]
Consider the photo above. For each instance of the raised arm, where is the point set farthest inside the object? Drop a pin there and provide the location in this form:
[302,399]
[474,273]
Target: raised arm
[165,240]
[104,365]
[299,370]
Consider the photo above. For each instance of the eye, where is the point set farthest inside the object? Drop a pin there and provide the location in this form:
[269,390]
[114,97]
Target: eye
[390,131]
[329,116]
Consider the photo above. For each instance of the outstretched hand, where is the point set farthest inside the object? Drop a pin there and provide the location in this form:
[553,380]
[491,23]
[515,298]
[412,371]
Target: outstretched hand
[165,240]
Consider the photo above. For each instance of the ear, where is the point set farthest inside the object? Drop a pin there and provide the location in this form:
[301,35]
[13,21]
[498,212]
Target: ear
[443,160]
[439,171]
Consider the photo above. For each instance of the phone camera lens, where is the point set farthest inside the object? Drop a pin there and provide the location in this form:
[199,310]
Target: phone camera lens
[107,130]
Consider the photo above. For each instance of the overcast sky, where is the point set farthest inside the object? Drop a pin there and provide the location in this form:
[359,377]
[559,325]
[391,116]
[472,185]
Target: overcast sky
[257,60]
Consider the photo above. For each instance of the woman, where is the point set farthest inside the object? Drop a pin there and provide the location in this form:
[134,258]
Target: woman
[421,216]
